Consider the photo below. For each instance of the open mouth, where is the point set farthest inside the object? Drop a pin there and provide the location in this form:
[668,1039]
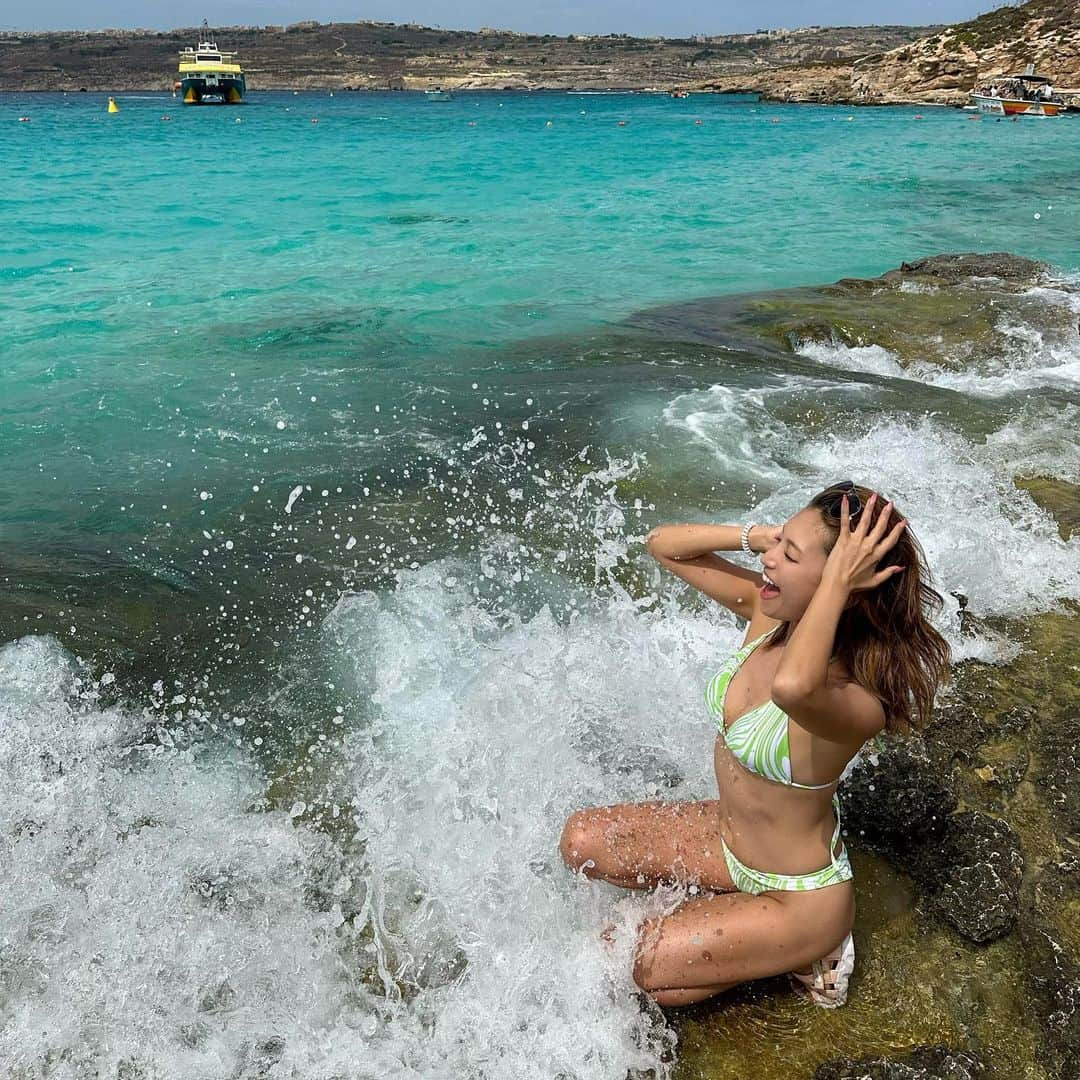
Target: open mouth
[769,590]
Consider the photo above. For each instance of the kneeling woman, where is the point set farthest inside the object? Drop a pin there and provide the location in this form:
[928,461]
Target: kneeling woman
[838,649]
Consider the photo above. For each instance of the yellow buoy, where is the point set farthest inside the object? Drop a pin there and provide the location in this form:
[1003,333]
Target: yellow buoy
[113,107]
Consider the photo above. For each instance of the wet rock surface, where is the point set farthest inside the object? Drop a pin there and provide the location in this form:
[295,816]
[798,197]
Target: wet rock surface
[897,803]
[980,867]
[923,1063]
[969,865]
[952,311]
[1056,979]
[952,269]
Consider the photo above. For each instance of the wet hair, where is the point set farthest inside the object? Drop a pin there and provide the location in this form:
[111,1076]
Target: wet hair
[884,636]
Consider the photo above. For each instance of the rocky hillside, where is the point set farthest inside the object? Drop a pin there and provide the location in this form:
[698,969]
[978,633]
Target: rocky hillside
[380,56]
[941,67]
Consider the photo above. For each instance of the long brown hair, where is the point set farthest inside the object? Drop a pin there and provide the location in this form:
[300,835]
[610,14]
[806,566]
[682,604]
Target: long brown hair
[884,636]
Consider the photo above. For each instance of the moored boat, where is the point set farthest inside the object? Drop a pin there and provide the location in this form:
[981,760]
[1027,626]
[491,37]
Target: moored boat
[1026,94]
[437,93]
[208,76]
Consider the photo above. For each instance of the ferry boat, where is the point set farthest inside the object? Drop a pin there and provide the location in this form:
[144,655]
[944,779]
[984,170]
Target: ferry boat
[208,76]
[1026,94]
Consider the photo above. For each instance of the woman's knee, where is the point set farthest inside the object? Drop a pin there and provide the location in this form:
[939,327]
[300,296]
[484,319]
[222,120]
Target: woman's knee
[579,840]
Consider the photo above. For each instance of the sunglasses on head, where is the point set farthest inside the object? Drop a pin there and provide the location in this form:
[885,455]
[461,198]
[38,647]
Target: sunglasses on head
[832,498]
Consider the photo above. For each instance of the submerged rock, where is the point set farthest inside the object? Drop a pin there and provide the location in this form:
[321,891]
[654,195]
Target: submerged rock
[1056,994]
[979,868]
[923,1063]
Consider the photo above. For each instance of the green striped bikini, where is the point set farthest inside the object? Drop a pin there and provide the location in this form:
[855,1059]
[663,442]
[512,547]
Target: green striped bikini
[759,741]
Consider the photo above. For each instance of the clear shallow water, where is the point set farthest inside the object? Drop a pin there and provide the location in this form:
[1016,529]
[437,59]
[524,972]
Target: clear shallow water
[299,808]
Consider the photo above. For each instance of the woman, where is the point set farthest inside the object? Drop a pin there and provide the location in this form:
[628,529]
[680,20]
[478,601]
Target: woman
[838,649]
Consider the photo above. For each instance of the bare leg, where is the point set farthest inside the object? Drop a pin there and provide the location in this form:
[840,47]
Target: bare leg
[675,998]
[640,845]
[711,943]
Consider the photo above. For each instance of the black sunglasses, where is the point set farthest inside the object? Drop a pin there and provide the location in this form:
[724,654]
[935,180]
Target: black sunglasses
[831,499]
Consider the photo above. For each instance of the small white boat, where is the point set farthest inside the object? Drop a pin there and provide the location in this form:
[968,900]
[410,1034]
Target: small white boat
[438,94]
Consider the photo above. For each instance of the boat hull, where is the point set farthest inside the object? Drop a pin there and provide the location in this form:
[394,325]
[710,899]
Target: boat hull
[998,106]
[212,89]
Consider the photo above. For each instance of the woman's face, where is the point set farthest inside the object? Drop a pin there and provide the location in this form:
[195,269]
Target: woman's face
[793,567]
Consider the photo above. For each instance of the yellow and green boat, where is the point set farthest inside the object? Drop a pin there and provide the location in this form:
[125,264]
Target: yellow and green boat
[208,76]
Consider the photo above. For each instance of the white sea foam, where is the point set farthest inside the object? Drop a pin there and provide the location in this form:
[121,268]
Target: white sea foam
[737,426]
[486,737]
[151,922]
[873,359]
[155,921]
[1037,442]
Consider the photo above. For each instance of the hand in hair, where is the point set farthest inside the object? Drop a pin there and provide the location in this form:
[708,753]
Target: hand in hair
[854,560]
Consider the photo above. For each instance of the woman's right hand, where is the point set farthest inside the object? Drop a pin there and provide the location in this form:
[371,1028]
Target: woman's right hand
[762,537]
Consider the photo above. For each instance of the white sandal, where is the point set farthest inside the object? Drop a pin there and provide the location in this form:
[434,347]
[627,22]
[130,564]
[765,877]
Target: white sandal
[826,983]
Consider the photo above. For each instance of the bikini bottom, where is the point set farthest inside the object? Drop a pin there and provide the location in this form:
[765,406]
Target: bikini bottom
[755,882]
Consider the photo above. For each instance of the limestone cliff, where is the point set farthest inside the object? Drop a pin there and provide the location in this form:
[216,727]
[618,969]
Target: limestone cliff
[940,68]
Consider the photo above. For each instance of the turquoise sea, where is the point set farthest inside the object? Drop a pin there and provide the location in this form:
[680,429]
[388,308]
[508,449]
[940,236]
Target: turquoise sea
[330,430]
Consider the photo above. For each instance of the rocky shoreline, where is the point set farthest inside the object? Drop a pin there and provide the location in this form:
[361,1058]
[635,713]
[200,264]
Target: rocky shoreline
[942,67]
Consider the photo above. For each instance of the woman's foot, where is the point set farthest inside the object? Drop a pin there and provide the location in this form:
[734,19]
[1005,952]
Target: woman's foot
[825,982]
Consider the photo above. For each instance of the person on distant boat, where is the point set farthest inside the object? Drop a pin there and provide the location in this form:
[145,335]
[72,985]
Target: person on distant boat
[838,649]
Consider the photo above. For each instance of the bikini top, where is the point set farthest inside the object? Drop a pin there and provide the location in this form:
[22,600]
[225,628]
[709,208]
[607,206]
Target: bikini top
[758,738]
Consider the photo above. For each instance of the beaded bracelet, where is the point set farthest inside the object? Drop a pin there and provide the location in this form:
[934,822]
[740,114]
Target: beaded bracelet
[745,538]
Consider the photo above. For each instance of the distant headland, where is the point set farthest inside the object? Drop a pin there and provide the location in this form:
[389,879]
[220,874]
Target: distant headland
[862,64]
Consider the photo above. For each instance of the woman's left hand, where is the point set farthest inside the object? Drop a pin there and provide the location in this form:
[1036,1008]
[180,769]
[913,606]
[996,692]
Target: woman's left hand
[853,561]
